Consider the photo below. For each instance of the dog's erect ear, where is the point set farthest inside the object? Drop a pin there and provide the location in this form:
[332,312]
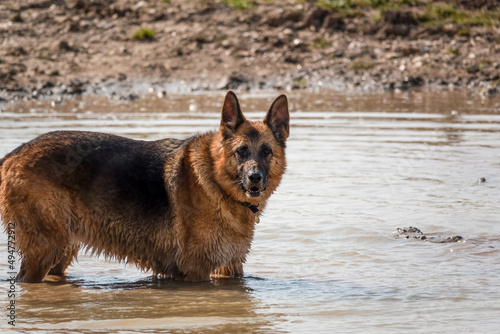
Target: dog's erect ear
[278,119]
[232,117]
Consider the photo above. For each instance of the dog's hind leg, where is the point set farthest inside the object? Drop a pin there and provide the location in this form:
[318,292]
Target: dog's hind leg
[39,259]
[34,267]
[42,239]
[69,254]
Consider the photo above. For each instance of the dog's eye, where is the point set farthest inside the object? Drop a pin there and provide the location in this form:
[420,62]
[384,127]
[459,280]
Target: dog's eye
[242,151]
[266,150]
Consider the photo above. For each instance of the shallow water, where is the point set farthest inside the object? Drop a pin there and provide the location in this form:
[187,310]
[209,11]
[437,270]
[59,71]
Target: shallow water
[324,257]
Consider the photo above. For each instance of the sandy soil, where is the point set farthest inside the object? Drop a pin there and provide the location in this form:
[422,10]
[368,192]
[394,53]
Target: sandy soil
[57,47]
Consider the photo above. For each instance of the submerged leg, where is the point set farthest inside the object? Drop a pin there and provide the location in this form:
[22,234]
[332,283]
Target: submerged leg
[36,264]
[69,254]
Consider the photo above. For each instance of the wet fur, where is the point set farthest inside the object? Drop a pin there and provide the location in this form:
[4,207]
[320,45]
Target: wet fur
[170,206]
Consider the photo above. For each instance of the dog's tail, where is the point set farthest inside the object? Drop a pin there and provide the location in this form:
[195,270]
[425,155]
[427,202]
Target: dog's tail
[2,161]
[1,164]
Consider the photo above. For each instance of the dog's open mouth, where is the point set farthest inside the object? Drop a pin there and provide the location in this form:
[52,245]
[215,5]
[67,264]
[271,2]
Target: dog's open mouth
[253,191]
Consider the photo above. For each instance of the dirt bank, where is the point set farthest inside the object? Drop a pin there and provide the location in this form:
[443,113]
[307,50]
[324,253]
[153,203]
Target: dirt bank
[57,47]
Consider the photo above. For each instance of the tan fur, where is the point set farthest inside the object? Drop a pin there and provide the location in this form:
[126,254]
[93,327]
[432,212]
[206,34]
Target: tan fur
[64,190]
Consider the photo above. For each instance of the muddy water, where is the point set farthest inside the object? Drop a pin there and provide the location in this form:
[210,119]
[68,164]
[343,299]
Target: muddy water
[324,256]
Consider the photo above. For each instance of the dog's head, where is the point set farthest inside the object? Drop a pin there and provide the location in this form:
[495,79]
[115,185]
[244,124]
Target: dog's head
[251,158]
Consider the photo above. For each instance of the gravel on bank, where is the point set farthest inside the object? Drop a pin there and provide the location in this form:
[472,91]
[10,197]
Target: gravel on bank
[124,48]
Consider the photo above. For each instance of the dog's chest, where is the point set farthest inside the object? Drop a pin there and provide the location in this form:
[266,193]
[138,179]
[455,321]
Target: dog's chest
[234,237]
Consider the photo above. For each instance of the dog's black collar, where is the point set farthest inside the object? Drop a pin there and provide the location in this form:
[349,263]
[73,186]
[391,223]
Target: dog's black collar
[252,207]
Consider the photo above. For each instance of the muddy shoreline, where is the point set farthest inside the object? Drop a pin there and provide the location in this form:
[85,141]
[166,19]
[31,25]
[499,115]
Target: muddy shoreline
[125,49]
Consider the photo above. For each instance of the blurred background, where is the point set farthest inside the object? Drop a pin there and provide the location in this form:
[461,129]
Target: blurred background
[126,48]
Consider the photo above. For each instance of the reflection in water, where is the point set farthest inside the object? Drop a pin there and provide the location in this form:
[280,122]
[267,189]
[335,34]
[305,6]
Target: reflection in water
[140,305]
[323,258]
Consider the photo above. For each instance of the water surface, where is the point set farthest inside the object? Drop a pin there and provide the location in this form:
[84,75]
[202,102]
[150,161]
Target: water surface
[324,257]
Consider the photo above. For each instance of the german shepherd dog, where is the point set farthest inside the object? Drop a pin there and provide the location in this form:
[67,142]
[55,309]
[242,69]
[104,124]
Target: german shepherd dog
[181,208]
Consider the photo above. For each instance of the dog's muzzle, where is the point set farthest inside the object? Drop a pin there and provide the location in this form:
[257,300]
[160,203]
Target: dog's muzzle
[254,184]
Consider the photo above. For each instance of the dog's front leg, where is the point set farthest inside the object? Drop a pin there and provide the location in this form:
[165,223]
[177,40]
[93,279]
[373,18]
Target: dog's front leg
[197,274]
[233,269]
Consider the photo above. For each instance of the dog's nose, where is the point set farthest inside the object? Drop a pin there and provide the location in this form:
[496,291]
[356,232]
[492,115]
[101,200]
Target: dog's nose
[255,177]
